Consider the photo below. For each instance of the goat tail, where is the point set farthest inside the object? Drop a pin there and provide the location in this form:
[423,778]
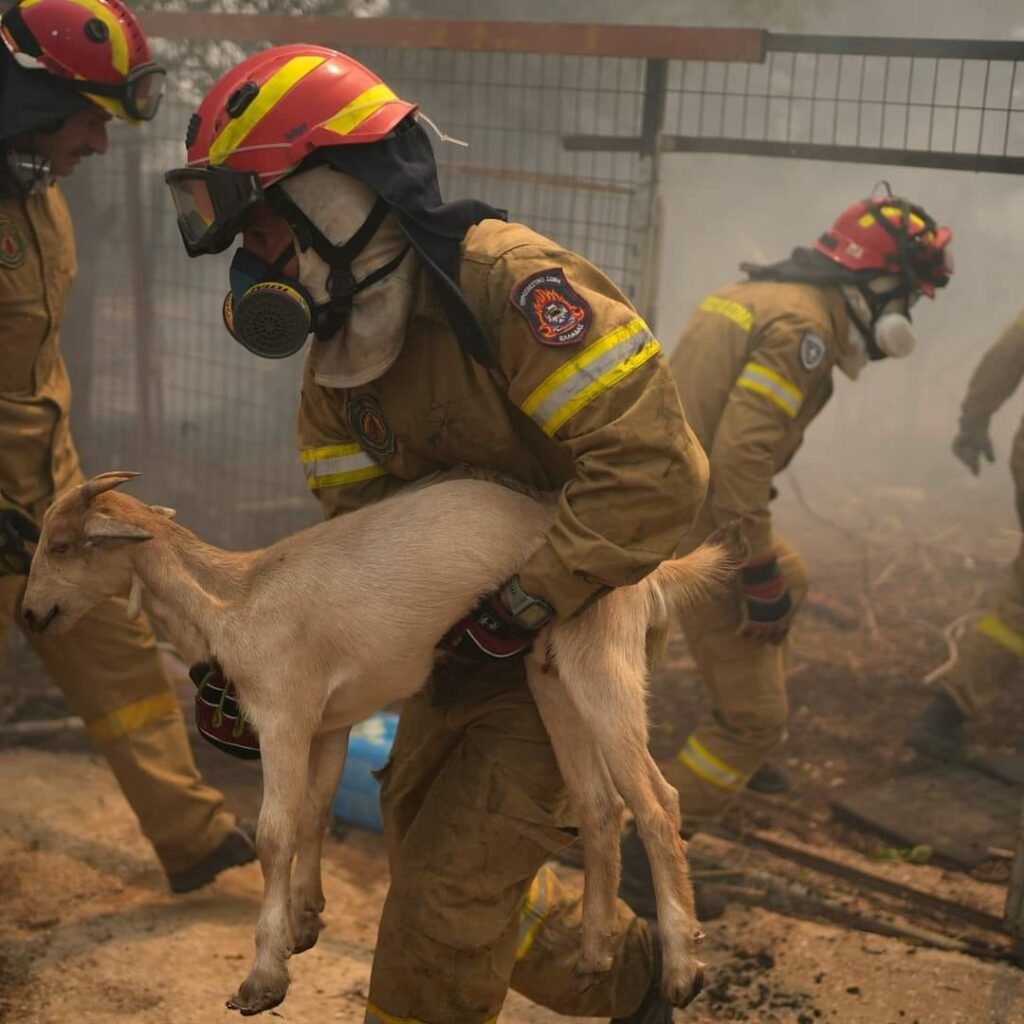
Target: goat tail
[687,581]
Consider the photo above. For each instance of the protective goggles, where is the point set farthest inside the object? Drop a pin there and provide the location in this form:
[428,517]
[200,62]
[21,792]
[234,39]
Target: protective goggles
[139,93]
[211,203]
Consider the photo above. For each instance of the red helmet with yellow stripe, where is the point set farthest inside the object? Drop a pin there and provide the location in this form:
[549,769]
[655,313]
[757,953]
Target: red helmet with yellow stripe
[97,45]
[261,121]
[888,235]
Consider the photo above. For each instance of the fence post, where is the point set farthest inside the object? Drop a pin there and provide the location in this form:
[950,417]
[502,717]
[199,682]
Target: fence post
[646,215]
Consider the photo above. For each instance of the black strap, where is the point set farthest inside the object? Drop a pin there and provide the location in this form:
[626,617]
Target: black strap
[15,25]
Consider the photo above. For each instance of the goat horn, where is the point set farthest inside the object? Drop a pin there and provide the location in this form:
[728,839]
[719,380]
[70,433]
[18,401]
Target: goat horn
[104,482]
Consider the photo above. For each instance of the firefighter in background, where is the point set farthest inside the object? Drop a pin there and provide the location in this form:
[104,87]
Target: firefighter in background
[992,651]
[446,337]
[66,68]
[754,367]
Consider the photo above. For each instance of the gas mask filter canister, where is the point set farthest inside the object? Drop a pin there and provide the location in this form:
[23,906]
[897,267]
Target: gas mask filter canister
[266,312]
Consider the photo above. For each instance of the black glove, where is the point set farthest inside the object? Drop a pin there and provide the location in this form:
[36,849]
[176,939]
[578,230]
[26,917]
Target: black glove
[16,527]
[970,444]
[767,606]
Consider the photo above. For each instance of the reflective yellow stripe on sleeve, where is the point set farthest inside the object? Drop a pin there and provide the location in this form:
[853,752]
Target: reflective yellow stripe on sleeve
[597,368]
[533,911]
[236,130]
[712,769]
[738,314]
[993,628]
[353,114]
[773,386]
[130,717]
[337,465]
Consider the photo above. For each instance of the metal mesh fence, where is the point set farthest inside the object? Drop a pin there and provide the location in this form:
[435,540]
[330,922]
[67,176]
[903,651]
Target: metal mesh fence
[920,102]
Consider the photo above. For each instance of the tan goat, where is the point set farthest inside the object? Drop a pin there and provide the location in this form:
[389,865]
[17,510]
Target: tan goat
[324,627]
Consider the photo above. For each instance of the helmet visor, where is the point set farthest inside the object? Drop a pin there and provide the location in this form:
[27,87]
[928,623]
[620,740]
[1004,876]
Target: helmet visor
[138,95]
[211,203]
[143,91]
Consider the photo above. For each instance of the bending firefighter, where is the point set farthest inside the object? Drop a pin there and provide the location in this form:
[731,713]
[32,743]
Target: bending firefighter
[67,67]
[754,367]
[445,337]
[992,651]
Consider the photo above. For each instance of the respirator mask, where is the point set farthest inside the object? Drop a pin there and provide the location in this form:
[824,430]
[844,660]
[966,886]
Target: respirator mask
[880,311]
[271,314]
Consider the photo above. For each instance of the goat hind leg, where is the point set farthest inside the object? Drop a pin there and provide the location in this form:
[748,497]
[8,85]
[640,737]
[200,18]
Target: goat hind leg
[285,764]
[611,697]
[600,810]
[326,761]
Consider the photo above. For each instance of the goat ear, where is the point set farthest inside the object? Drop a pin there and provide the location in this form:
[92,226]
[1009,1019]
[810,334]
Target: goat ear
[103,531]
[167,513]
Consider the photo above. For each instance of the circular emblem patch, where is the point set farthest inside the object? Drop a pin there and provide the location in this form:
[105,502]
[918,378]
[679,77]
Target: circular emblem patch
[12,247]
[366,418]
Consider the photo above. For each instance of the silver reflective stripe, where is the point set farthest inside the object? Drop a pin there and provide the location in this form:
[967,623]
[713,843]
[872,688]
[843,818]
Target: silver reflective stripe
[338,464]
[593,371]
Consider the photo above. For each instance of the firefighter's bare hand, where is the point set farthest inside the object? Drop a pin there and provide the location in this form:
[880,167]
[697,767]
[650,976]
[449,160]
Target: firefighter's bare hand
[767,610]
[970,445]
[17,529]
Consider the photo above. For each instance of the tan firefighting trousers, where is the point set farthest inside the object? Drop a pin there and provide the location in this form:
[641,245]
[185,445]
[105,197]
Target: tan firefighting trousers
[110,672]
[992,651]
[473,806]
[746,684]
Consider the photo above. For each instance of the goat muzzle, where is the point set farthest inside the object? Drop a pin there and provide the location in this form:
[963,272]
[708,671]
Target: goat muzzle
[36,623]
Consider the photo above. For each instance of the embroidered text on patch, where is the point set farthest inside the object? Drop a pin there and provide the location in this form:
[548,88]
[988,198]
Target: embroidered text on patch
[556,312]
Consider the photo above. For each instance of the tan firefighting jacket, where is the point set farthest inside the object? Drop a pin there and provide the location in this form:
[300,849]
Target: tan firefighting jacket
[754,367]
[37,266]
[597,419]
[995,378]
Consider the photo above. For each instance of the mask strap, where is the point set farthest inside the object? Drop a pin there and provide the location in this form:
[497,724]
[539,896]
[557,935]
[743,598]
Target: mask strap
[866,332]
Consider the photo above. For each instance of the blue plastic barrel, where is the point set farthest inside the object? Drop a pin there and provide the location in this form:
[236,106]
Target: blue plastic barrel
[357,800]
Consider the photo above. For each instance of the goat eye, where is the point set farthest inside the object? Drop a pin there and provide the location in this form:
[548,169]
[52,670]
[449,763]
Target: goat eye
[59,549]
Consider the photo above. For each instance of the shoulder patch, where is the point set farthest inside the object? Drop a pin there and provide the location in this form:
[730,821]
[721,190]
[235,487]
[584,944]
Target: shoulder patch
[366,418]
[556,313]
[812,351]
[12,246]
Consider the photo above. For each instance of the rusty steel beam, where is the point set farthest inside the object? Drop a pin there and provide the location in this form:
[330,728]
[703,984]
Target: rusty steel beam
[645,41]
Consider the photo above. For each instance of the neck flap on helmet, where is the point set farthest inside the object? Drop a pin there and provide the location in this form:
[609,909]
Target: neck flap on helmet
[33,101]
[402,171]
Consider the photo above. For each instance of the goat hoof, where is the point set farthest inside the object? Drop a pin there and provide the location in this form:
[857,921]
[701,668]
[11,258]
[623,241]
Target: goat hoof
[307,931]
[681,993]
[256,997]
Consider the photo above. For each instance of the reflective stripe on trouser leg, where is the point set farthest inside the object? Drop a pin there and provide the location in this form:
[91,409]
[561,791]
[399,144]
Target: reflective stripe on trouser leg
[746,684]
[110,671]
[989,656]
[474,805]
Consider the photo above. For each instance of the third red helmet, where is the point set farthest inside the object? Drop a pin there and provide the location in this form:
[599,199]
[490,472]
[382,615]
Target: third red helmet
[891,236]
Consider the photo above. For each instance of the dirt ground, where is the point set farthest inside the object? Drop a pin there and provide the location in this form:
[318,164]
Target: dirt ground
[89,933]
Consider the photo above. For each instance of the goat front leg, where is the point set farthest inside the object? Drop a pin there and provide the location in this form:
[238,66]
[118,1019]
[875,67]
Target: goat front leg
[599,808]
[285,754]
[326,762]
